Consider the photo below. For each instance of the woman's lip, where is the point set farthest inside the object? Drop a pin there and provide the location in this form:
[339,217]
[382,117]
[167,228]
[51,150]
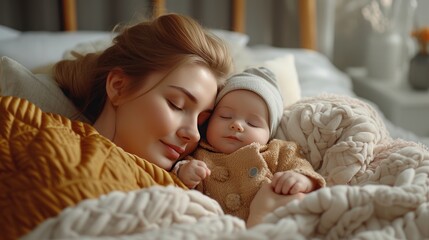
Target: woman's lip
[178,149]
[174,149]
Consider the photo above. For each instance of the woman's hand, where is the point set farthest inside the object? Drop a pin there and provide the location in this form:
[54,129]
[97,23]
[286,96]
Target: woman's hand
[193,172]
[290,182]
[266,201]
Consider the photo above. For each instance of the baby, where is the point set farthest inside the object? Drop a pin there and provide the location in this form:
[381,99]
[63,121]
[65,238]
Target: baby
[239,152]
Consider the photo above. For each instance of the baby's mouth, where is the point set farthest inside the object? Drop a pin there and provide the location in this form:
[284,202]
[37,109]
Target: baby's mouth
[233,138]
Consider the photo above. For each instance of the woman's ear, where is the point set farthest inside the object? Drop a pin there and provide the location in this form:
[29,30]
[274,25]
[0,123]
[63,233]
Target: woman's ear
[116,83]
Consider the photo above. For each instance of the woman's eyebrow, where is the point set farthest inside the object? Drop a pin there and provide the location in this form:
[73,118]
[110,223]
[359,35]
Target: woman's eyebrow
[186,92]
[226,107]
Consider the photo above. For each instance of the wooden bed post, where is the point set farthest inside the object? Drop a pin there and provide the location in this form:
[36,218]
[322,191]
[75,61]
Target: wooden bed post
[307,18]
[158,7]
[238,16]
[69,15]
[307,24]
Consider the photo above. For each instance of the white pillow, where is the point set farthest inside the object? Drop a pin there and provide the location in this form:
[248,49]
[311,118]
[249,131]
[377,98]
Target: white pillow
[40,89]
[38,49]
[235,41]
[7,32]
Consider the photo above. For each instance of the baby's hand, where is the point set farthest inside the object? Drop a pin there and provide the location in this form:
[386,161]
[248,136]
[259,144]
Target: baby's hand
[290,182]
[266,201]
[193,172]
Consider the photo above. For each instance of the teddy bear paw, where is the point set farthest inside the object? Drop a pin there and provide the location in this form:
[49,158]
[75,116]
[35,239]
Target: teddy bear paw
[220,174]
[233,201]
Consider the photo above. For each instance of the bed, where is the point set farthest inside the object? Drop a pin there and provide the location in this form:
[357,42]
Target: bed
[377,173]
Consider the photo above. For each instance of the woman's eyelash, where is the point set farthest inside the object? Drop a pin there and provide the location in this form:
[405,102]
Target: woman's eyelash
[225,117]
[174,106]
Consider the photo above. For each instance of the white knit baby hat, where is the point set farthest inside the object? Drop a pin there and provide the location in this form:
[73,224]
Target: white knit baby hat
[261,81]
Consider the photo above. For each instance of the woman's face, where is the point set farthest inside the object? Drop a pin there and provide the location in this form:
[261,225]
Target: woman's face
[161,125]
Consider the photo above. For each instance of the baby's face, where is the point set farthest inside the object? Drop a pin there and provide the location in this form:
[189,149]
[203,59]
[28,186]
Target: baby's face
[240,118]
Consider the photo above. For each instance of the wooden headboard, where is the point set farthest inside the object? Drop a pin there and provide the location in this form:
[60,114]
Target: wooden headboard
[307,18]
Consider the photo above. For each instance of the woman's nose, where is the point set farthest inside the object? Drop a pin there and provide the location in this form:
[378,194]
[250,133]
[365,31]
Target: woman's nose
[189,133]
[236,126]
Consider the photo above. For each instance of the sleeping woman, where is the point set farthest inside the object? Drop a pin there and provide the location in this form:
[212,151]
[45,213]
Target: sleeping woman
[146,94]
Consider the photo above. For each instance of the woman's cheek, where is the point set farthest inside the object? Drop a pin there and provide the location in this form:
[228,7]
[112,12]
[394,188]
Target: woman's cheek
[190,147]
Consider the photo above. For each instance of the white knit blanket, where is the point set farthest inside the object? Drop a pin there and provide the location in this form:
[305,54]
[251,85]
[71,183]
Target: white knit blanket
[377,189]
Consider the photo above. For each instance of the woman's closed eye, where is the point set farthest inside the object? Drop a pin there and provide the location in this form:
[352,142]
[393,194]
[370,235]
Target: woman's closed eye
[225,117]
[174,105]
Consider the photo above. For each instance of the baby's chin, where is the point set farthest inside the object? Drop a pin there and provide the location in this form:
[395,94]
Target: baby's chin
[228,149]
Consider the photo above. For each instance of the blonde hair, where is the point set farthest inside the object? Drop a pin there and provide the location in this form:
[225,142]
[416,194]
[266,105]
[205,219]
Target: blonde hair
[140,49]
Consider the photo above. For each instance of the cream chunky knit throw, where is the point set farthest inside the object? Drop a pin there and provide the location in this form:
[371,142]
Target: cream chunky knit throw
[377,189]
